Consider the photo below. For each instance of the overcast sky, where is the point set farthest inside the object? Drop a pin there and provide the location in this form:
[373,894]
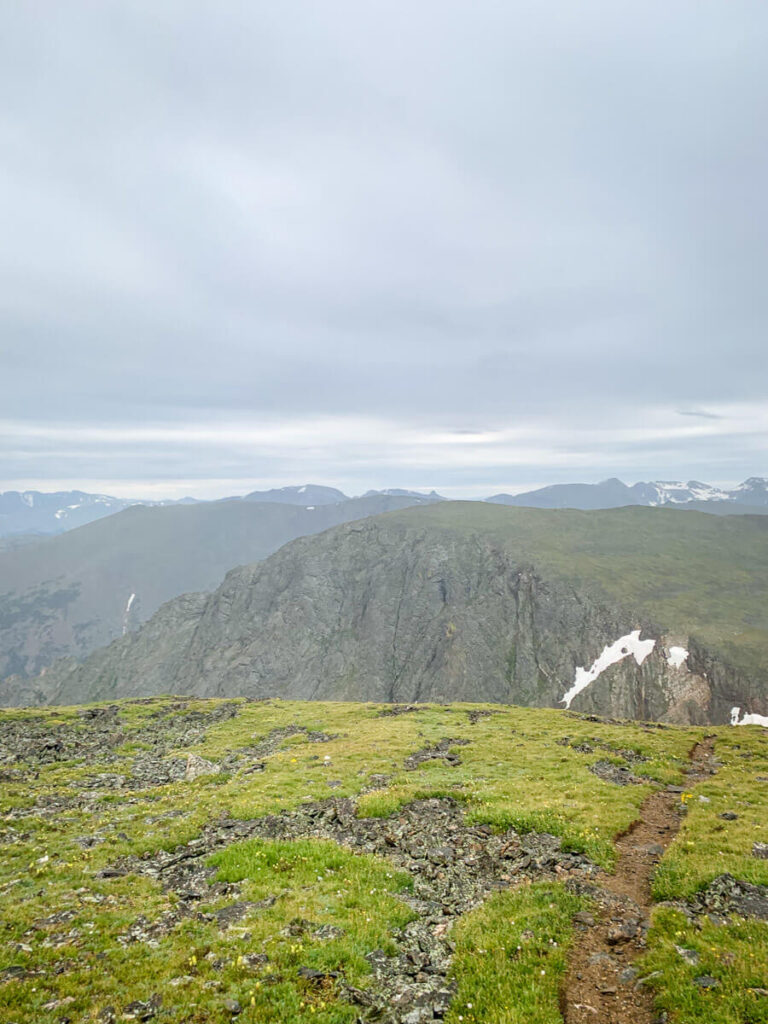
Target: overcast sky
[476,246]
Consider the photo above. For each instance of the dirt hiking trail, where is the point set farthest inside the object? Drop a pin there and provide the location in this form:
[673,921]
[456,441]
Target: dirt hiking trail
[601,986]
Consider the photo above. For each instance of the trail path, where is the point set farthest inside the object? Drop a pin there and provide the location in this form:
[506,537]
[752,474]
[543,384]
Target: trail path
[601,985]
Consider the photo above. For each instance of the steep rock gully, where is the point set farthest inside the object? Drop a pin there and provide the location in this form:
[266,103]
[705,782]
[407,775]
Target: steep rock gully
[601,985]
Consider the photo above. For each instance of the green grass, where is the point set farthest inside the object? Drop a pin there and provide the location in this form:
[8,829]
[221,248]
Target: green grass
[320,882]
[510,957]
[521,768]
[735,955]
[706,846]
[514,774]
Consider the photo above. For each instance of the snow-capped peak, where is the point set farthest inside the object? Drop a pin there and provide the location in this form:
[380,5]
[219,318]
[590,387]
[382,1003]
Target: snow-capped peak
[753,491]
[676,492]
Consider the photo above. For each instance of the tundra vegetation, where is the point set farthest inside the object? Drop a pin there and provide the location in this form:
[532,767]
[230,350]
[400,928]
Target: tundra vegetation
[105,807]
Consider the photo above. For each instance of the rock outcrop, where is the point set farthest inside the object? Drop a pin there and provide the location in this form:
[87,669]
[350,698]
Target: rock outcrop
[66,596]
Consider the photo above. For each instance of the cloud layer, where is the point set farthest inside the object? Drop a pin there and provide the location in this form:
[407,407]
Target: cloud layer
[470,246]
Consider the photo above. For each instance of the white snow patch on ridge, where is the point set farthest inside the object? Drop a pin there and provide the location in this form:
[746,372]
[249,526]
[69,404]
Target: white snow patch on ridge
[748,719]
[127,612]
[677,656]
[617,651]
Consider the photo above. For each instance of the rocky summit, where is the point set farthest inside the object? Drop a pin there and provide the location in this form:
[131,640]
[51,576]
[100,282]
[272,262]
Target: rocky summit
[187,861]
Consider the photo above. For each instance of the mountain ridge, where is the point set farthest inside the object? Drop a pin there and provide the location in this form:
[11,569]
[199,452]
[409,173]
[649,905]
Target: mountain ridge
[614,493]
[462,600]
[73,592]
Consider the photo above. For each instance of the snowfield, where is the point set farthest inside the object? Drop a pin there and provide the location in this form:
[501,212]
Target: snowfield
[631,644]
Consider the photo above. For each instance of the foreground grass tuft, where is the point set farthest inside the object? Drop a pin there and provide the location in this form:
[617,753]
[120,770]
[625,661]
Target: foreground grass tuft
[511,957]
[685,959]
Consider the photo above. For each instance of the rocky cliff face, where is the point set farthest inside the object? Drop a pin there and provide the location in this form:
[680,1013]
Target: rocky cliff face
[381,610]
[69,595]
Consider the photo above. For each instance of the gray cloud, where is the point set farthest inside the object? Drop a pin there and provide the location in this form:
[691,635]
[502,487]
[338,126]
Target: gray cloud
[701,414]
[549,218]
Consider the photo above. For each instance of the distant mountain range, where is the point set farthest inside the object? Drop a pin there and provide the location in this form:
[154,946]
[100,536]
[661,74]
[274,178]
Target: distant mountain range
[614,493]
[57,511]
[23,512]
[306,495]
[398,492]
[310,495]
[38,512]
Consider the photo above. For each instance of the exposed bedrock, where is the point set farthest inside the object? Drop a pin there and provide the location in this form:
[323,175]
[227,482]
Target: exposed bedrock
[386,612]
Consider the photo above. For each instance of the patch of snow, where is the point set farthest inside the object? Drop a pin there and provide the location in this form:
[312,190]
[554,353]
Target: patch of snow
[127,612]
[302,489]
[748,719]
[310,508]
[675,492]
[60,513]
[617,651]
[677,656]
[710,494]
[28,499]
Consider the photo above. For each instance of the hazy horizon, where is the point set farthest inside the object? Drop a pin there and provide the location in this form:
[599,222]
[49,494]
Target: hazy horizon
[216,490]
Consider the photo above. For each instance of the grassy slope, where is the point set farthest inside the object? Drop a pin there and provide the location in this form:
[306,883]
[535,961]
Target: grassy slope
[210,534]
[513,772]
[693,573]
[735,954]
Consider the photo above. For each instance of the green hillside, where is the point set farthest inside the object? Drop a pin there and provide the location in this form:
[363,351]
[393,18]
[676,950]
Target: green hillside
[191,861]
[697,573]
